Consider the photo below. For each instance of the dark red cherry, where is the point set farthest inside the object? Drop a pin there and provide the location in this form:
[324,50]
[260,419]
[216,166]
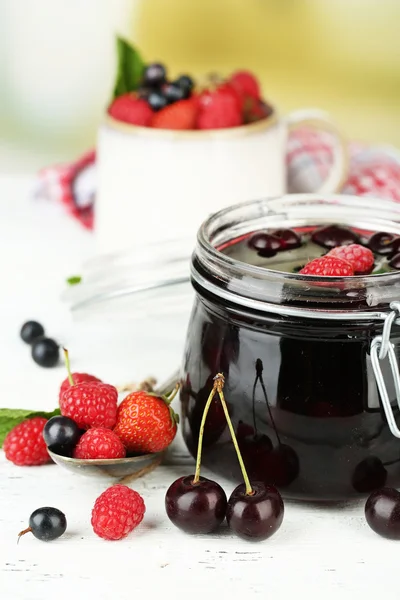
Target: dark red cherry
[196,507]
[331,236]
[369,475]
[265,244]
[381,242]
[281,466]
[382,512]
[395,246]
[257,516]
[255,450]
[395,262]
[288,237]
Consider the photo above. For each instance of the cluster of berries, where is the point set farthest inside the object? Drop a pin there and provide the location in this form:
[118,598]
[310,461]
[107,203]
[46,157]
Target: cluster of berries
[92,425]
[180,105]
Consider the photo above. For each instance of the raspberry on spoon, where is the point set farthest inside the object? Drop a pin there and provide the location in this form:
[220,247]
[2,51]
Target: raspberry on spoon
[76,377]
[196,504]
[90,404]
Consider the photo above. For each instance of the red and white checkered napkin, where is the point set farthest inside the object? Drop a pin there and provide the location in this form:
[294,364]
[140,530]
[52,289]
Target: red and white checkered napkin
[373,171]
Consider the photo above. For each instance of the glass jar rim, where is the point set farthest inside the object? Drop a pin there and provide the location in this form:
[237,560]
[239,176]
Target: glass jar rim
[260,287]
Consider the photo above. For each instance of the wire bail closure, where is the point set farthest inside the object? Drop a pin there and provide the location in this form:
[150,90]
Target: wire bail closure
[381,347]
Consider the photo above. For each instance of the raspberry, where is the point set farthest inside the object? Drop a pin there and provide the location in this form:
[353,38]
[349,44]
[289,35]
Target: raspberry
[78,378]
[328,266]
[24,445]
[246,84]
[90,404]
[360,258]
[179,115]
[99,442]
[116,512]
[219,109]
[129,109]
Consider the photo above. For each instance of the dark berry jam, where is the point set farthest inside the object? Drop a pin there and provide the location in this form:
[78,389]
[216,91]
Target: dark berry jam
[301,392]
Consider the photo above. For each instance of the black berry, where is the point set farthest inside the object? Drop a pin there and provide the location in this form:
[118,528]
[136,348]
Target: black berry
[157,100]
[185,83]
[255,516]
[154,75]
[173,92]
[45,352]
[195,507]
[382,512]
[61,435]
[334,235]
[265,244]
[46,524]
[30,331]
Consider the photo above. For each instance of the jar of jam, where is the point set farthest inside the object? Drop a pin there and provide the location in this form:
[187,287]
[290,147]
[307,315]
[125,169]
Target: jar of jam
[310,362]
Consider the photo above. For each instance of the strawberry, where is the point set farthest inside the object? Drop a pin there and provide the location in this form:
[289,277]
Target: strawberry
[246,84]
[145,422]
[130,109]
[179,115]
[219,109]
[328,266]
[360,257]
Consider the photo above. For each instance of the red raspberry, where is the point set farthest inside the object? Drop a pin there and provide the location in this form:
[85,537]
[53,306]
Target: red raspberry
[24,445]
[130,109]
[90,404]
[179,115]
[219,109]
[246,84]
[360,257]
[116,512]
[328,266]
[78,378]
[99,442]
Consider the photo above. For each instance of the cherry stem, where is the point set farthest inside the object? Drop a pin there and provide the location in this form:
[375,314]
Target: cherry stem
[68,365]
[220,385]
[23,532]
[202,424]
[260,377]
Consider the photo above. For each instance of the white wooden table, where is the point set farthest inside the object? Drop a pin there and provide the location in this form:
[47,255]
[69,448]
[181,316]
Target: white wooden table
[318,552]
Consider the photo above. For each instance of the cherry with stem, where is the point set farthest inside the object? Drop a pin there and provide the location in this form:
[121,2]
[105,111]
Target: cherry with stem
[255,510]
[193,503]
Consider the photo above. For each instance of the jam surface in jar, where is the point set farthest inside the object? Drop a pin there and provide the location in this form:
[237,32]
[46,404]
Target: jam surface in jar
[301,392]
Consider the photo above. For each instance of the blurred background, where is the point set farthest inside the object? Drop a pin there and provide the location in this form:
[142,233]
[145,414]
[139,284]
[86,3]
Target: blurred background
[57,62]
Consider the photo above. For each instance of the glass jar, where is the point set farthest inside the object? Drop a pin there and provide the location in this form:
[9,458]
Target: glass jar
[311,364]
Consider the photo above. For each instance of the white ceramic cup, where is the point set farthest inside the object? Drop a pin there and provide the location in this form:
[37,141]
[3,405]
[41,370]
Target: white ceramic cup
[157,185]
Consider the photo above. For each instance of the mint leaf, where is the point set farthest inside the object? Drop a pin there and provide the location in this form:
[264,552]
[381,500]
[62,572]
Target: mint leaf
[10,417]
[74,280]
[129,69]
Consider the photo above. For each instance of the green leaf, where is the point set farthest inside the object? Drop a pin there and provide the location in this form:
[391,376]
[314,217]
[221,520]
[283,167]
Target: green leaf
[10,417]
[130,68]
[74,280]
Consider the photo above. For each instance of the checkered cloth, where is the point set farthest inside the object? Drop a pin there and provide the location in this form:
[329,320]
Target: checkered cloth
[373,171]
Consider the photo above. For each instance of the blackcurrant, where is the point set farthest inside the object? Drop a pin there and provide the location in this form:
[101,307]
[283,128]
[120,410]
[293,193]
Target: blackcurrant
[30,331]
[46,524]
[173,92]
[185,83]
[61,435]
[154,74]
[157,100]
[45,352]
